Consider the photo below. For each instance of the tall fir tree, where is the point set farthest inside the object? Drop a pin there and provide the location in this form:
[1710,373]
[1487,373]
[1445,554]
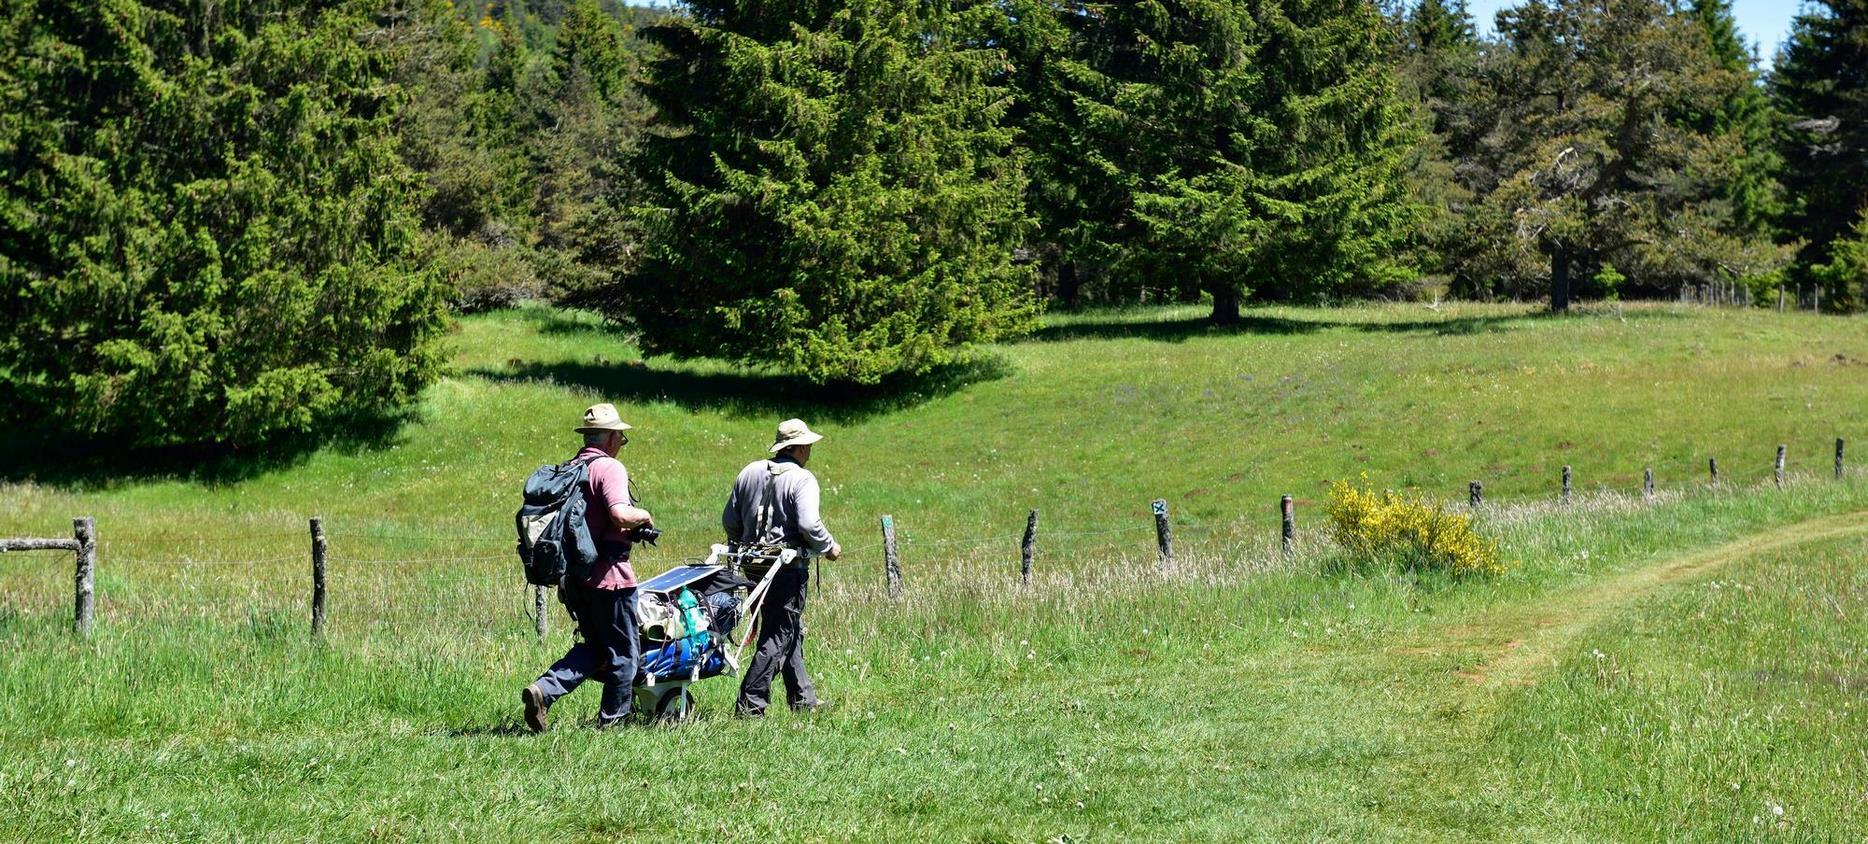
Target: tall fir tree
[833,189]
[1221,147]
[1438,54]
[593,120]
[1752,188]
[206,231]
[1586,158]
[1440,46]
[1074,196]
[1820,85]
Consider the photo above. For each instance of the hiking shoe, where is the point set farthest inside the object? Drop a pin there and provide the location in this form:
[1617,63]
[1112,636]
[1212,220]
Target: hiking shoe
[812,707]
[535,706]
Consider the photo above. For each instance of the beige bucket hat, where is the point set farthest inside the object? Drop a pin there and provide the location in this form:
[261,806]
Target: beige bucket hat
[601,417]
[794,432]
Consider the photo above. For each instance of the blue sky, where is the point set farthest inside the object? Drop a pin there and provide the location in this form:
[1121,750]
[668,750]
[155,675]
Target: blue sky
[1765,23]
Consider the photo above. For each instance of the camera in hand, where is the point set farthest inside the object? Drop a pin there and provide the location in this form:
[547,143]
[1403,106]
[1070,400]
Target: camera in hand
[644,534]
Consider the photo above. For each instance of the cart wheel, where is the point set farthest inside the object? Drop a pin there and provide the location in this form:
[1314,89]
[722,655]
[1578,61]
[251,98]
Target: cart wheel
[676,707]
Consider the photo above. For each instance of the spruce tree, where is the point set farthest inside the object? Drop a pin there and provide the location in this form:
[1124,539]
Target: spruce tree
[1221,147]
[1076,198]
[1745,110]
[592,119]
[1821,88]
[205,225]
[833,189]
[1438,58]
[1440,47]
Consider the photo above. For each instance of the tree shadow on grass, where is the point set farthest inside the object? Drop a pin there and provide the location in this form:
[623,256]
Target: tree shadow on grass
[752,393]
[1186,328]
[44,455]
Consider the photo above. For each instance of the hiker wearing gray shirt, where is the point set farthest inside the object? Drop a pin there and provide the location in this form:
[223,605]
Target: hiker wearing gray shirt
[775,502]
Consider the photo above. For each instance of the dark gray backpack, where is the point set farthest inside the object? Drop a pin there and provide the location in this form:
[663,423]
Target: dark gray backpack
[554,538]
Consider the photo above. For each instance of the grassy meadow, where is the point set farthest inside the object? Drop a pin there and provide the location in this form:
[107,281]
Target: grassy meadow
[1690,669]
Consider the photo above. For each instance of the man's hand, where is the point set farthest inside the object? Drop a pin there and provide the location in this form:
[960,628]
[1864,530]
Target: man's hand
[834,552]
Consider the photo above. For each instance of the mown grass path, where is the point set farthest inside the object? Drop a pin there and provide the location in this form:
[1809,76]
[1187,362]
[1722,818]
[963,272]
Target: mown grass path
[1523,640]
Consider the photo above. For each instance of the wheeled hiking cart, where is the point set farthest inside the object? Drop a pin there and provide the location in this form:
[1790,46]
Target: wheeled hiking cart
[702,623]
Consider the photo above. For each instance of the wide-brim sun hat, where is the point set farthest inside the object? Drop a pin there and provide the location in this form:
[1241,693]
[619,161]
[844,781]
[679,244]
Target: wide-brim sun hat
[601,417]
[794,432]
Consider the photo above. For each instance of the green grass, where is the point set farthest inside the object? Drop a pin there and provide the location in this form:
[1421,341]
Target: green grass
[1242,698]
[1722,711]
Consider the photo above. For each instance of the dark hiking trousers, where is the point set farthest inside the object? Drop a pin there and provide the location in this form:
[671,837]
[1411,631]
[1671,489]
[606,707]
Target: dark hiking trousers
[609,649]
[781,646]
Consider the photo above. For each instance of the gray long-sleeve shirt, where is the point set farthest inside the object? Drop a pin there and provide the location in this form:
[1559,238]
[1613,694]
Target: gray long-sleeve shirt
[794,519]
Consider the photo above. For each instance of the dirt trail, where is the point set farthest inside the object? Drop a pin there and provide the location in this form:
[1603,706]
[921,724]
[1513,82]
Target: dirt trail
[1521,642]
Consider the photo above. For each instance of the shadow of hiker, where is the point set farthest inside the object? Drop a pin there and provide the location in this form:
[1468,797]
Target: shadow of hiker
[744,393]
[507,729]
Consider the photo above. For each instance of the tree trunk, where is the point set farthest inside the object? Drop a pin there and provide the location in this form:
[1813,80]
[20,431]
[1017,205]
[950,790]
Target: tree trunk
[1069,285]
[1225,305]
[1560,279]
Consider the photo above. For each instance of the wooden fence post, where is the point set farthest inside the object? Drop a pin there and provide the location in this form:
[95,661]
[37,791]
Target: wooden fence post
[1026,548]
[1712,466]
[1647,484]
[84,529]
[1566,484]
[1838,458]
[1164,536]
[1287,507]
[1475,494]
[319,548]
[890,561]
[541,623]
[1778,469]
[1780,298]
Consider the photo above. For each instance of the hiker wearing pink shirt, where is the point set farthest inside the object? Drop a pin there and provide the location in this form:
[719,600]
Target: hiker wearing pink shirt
[603,603]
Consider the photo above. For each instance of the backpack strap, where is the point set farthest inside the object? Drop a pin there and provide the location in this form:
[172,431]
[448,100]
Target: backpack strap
[768,508]
[768,512]
[584,485]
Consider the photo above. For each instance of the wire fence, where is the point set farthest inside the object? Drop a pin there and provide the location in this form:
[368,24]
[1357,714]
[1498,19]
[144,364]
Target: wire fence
[389,574]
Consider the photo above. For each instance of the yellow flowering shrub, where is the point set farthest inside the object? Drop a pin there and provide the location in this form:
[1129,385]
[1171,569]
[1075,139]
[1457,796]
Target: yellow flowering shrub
[1414,532]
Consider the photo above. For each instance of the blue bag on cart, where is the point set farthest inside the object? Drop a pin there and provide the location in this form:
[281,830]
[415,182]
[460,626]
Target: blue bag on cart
[679,659]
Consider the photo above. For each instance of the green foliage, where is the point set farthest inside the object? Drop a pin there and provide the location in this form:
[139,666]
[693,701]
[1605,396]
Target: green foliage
[1436,67]
[519,118]
[1628,157]
[208,234]
[1751,188]
[833,190]
[1608,282]
[1819,87]
[1218,147]
[1847,268]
